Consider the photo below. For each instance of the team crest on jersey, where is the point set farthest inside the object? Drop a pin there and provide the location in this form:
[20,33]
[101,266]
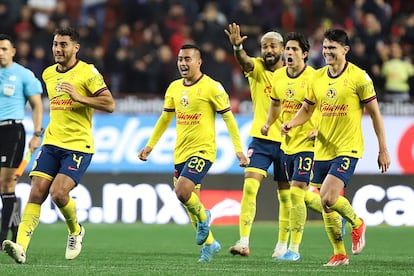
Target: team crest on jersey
[331,94]
[290,93]
[184,101]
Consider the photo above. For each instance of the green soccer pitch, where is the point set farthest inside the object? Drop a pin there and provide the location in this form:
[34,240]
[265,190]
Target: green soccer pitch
[137,249]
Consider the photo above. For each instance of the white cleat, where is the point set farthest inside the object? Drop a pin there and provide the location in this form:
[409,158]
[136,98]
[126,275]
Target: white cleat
[280,250]
[74,245]
[15,251]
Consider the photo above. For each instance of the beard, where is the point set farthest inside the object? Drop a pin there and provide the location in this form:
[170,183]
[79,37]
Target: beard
[272,61]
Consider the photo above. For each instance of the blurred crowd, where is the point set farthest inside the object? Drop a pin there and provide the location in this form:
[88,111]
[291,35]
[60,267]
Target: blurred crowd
[134,43]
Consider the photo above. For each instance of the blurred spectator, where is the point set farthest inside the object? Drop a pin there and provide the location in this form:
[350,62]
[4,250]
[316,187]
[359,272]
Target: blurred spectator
[42,10]
[174,21]
[166,69]
[14,7]
[142,75]
[6,25]
[209,28]
[315,58]
[24,21]
[38,61]
[397,72]
[60,15]
[250,23]
[23,52]
[116,57]
[93,10]
[219,68]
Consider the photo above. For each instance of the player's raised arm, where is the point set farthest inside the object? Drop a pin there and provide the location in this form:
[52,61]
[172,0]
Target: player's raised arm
[235,38]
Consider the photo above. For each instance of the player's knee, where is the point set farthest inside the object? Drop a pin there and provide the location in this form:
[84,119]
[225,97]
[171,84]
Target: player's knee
[59,197]
[182,195]
[251,187]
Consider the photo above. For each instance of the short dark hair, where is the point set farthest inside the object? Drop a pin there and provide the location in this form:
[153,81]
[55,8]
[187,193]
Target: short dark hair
[191,46]
[301,39]
[7,37]
[68,31]
[337,35]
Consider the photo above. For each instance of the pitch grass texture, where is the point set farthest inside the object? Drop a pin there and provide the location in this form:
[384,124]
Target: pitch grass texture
[136,249]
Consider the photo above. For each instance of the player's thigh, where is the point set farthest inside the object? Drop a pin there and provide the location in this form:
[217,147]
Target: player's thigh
[299,166]
[260,155]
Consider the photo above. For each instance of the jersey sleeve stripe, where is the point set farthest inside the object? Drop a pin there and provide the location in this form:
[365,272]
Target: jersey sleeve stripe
[369,99]
[224,110]
[100,91]
[309,102]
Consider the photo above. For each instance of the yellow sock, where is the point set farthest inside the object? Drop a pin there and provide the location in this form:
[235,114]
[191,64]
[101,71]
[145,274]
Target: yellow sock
[297,217]
[210,238]
[28,224]
[343,207]
[333,227]
[69,212]
[195,207]
[284,213]
[313,201]
[248,206]
[193,219]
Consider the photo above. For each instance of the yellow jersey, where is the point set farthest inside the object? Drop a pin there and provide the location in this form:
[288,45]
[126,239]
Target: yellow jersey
[260,81]
[195,108]
[70,125]
[290,91]
[340,102]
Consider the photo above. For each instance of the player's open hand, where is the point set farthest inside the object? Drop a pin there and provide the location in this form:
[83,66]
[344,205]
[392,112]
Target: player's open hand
[243,160]
[234,36]
[143,154]
[384,161]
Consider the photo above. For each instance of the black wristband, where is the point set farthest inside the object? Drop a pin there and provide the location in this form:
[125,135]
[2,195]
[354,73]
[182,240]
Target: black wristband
[38,133]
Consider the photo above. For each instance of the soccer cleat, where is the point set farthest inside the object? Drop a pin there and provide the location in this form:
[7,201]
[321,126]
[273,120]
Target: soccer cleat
[280,250]
[338,260]
[203,228]
[15,251]
[207,251]
[240,249]
[289,256]
[74,244]
[358,238]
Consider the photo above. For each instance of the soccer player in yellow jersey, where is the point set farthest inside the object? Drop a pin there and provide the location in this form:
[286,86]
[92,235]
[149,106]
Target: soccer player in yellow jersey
[340,91]
[263,150]
[194,100]
[288,92]
[75,89]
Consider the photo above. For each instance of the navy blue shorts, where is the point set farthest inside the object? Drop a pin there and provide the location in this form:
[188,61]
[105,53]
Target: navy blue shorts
[342,167]
[195,168]
[52,160]
[262,154]
[299,166]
